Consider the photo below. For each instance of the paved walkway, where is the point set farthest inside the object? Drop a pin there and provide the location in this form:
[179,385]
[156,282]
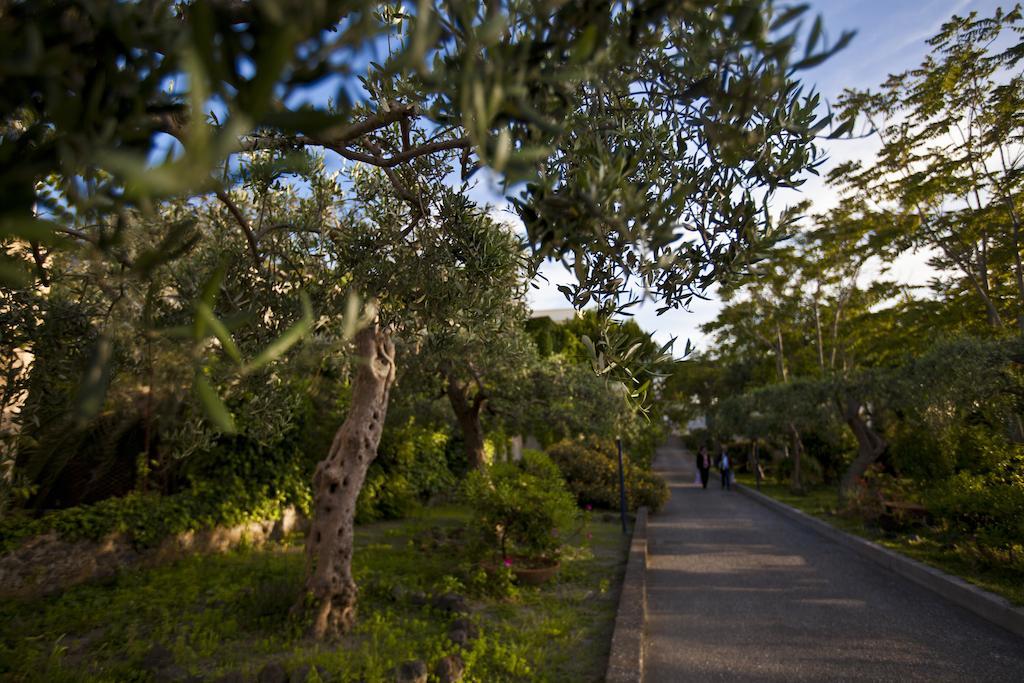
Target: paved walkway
[737,592]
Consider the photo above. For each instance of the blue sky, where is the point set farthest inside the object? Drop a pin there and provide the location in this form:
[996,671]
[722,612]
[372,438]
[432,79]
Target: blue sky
[890,38]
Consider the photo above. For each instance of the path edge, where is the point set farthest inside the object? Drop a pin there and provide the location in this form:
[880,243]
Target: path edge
[626,658]
[989,606]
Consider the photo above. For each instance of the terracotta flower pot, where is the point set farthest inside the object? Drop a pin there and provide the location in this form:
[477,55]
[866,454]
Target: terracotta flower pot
[529,571]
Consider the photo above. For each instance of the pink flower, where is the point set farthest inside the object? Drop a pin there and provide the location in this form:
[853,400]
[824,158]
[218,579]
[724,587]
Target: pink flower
[508,562]
[589,535]
[588,507]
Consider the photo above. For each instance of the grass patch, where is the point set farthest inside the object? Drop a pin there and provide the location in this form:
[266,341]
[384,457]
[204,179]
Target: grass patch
[998,572]
[215,614]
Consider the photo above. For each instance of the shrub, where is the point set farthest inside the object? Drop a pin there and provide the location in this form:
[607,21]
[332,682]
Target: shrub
[147,518]
[591,470]
[988,507]
[410,469]
[522,508]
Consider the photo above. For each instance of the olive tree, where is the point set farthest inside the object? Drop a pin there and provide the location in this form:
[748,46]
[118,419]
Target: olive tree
[441,276]
[646,138]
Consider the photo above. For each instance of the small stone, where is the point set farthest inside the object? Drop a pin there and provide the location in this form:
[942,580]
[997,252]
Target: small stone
[452,603]
[462,631]
[418,598]
[272,673]
[466,625]
[450,669]
[412,672]
[158,657]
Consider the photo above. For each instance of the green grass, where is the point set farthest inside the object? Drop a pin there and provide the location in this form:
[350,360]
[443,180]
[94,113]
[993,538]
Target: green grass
[992,570]
[229,612]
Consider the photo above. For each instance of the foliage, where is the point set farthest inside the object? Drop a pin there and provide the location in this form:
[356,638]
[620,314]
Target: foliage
[222,613]
[646,139]
[220,79]
[810,471]
[411,468]
[149,518]
[563,400]
[948,174]
[986,506]
[591,470]
[522,508]
[641,436]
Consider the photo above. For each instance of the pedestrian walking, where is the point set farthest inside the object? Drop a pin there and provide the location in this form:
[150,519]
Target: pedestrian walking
[703,465]
[725,467]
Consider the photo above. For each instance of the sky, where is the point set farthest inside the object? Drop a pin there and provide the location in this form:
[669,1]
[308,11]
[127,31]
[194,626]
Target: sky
[890,38]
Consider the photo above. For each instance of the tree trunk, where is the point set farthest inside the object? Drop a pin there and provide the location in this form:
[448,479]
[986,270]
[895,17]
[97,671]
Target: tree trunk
[1018,267]
[870,445]
[468,414]
[336,485]
[817,329]
[796,484]
[780,355]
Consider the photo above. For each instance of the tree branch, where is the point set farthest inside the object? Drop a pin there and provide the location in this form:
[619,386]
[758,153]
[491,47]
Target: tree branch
[346,134]
[400,158]
[243,222]
[40,259]
[86,237]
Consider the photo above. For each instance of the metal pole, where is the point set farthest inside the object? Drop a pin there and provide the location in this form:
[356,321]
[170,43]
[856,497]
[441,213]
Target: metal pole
[622,487]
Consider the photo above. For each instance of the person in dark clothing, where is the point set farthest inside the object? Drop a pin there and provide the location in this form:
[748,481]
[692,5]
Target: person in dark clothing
[725,467]
[703,465]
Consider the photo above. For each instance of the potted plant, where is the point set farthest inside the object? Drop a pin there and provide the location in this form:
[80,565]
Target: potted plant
[523,513]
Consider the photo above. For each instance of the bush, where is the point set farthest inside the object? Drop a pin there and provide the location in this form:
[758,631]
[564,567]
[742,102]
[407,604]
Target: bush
[148,518]
[522,508]
[988,507]
[591,470]
[640,440]
[411,468]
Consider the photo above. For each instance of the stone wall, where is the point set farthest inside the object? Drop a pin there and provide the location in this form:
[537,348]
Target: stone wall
[47,564]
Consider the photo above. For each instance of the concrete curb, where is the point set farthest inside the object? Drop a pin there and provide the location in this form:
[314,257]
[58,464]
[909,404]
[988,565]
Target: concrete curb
[986,605]
[626,659]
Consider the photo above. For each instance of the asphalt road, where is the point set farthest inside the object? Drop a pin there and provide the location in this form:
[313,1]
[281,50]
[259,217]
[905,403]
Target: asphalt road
[736,592]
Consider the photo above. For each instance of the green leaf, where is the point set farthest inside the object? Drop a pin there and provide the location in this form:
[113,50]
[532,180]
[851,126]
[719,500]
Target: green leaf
[14,273]
[214,407]
[220,331]
[208,297]
[788,15]
[29,228]
[584,47]
[813,38]
[351,319]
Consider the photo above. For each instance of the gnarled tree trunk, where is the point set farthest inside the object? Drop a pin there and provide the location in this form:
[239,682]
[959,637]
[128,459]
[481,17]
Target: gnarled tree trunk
[870,445]
[467,412]
[336,485]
